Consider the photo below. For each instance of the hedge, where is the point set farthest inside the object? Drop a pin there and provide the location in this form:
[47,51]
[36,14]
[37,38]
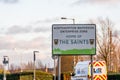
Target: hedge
[43,76]
[114,76]
[110,76]
[28,76]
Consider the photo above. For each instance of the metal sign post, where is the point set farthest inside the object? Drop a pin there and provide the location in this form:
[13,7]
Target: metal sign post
[54,58]
[59,67]
[91,68]
[54,70]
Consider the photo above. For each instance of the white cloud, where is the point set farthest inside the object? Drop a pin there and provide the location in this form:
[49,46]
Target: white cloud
[97,2]
[41,29]
[9,42]
[9,1]
[18,29]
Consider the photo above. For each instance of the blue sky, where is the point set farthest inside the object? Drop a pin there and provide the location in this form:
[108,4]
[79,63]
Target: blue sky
[25,25]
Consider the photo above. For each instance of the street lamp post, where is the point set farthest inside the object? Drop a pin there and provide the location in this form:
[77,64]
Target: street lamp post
[5,61]
[34,59]
[73,20]
[69,19]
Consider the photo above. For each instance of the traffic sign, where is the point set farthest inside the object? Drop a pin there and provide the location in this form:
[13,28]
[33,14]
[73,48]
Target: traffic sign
[73,39]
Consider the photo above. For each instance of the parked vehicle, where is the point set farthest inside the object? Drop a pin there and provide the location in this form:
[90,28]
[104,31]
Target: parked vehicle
[83,71]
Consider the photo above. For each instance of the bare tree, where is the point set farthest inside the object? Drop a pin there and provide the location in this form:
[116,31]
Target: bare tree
[13,68]
[116,61]
[29,66]
[105,44]
[1,66]
[118,57]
